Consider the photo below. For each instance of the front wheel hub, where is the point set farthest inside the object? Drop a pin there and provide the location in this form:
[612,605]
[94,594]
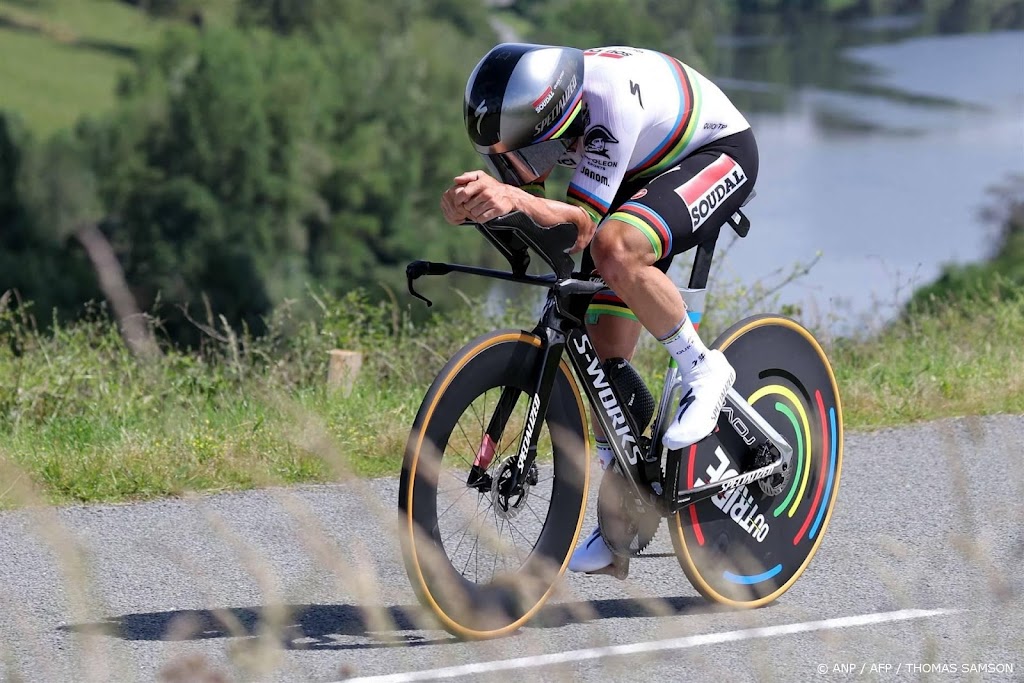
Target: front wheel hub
[509,501]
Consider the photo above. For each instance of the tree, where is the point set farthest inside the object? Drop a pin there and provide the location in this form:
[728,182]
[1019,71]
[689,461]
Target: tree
[60,190]
[308,148]
[35,261]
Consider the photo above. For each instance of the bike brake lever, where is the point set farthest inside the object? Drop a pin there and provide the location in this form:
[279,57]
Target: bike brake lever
[413,271]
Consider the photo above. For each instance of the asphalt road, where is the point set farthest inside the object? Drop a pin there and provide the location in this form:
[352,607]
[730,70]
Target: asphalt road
[918,578]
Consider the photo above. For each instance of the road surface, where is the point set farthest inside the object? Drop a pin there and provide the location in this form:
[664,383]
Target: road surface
[918,578]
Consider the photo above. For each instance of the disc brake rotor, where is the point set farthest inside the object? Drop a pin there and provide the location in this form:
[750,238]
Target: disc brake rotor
[508,502]
[627,525]
[777,483]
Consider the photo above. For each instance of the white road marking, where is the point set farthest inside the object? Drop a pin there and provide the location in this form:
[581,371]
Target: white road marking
[651,646]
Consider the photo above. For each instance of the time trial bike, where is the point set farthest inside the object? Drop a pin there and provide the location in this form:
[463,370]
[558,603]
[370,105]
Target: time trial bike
[497,469]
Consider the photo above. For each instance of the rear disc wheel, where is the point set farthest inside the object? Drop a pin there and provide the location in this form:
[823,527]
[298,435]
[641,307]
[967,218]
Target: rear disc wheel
[746,548]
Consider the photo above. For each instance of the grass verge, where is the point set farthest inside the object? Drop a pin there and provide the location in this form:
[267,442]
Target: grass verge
[961,358]
[50,84]
[83,421]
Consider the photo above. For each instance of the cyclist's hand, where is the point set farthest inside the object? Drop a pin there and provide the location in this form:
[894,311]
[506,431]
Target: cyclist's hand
[453,210]
[585,230]
[483,198]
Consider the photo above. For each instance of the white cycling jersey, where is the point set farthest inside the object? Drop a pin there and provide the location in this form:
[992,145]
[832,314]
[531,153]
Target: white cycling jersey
[647,111]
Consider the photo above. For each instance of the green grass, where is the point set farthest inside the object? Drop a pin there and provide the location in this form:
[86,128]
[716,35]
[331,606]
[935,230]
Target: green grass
[60,60]
[80,420]
[109,22]
[50,84]
[964,358]
[83,421]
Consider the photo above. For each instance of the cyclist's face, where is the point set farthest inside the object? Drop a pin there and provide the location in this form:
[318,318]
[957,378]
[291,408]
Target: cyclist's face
[524,171]
[528,164]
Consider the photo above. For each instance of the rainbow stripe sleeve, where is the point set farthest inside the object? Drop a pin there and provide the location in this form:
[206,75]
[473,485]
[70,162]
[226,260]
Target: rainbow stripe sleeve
[595,207]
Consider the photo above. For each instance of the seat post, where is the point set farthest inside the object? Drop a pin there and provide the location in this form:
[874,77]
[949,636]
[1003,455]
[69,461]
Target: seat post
[702,261]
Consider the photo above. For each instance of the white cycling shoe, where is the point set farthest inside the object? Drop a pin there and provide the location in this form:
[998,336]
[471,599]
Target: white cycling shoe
[591,555]
[702,400]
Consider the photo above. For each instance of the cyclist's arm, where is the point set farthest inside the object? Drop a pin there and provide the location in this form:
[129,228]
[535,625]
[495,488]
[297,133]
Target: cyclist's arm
[548,212]
[484,198]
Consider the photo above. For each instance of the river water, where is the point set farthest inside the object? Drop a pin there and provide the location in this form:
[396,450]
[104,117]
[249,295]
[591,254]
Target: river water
[877,154]
[884,173]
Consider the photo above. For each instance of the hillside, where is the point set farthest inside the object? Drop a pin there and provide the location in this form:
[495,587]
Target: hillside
[59,60]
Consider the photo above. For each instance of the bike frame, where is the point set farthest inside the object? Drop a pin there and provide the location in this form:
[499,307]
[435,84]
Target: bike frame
[741,430]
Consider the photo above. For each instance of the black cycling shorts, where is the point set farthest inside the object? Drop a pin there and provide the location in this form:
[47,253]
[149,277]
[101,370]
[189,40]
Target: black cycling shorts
[680,208]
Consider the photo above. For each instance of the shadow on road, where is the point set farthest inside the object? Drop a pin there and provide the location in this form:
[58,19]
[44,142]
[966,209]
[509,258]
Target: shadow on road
[325,626]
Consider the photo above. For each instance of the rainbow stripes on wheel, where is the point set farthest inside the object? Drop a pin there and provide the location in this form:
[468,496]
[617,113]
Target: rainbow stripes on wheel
[788,404]
[745,548]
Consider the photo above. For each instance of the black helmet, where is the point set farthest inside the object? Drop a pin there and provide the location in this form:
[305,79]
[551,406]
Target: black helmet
[523,107]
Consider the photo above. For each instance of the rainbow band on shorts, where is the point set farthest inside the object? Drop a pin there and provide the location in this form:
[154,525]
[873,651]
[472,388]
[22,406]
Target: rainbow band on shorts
[607,303]
[650,223]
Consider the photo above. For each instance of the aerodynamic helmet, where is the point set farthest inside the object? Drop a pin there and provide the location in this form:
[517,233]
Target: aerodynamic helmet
[523,107]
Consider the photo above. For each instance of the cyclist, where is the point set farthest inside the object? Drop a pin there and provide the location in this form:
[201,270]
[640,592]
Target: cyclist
[662,158]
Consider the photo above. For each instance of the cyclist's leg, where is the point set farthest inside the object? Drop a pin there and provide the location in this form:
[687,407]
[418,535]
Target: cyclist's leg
[614,332]
[612,336]
[674,212]
[633,249]
[626,261]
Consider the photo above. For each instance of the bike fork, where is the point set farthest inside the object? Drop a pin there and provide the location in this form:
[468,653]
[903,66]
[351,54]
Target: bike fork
[492,437]
[553,345]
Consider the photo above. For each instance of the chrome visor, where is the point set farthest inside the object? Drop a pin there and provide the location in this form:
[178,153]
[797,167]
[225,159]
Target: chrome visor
[524,166]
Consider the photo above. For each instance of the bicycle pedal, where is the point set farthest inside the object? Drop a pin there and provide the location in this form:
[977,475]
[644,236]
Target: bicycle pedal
[619,568]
